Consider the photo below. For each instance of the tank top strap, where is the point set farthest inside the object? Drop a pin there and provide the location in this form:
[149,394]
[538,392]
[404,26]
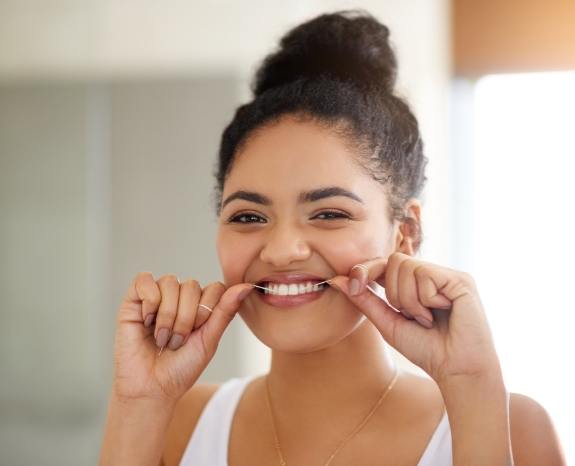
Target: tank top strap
[208,445]
[439,450]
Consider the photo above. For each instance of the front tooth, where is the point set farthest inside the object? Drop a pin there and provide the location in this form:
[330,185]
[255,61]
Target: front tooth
[283,289]
[302,288]
[293,289]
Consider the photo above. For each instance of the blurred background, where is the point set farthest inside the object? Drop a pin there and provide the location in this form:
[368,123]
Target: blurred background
[110,120]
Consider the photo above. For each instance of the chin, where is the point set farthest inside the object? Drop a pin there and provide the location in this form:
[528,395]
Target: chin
[301,334]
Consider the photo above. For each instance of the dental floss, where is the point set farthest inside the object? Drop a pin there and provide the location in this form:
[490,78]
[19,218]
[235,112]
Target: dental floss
[372,286]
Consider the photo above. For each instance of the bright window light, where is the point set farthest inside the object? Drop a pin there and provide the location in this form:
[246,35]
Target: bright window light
[523,247]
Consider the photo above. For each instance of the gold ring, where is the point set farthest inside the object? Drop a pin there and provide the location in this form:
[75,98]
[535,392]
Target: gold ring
[361,266]
[205,307]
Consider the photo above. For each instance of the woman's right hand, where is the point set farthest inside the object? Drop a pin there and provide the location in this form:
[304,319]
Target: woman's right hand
[166,313]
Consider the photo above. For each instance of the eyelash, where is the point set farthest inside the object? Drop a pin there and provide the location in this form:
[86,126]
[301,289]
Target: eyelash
[339,215]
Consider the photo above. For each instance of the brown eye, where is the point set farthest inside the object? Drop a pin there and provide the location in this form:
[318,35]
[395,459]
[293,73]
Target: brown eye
[332,215]
[246,218]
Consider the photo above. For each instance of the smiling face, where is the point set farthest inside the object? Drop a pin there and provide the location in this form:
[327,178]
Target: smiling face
[282,231]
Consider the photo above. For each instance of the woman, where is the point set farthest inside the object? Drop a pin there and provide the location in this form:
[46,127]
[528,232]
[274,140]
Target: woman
[317,198]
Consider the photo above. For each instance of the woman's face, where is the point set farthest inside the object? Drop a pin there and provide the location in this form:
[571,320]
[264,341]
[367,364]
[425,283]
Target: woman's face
[324,237]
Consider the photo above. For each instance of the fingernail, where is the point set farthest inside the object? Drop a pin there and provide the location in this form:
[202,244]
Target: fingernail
[175,341]
[423,321]
[149,320]
[162,337]
[244,293]
[354,286]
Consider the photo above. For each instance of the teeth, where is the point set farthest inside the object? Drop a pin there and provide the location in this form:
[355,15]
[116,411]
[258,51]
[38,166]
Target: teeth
[292,289]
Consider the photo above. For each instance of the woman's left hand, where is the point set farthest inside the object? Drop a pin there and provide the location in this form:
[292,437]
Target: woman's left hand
[458,342]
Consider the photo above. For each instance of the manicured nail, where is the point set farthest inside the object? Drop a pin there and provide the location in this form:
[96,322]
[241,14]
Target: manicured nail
[162,337]
[354,286]
[423,321]
[149,320]
[175,341]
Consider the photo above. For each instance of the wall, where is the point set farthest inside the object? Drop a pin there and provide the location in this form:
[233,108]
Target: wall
[110,116]
[493,36]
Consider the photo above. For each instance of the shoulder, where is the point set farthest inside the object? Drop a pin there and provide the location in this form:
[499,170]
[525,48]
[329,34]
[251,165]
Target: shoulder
[186,415]
[533,437]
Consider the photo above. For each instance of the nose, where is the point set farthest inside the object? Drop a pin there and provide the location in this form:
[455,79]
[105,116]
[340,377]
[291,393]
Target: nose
[285,245]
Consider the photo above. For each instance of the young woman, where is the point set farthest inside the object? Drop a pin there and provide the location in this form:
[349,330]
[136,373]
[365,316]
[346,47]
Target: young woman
[318,182]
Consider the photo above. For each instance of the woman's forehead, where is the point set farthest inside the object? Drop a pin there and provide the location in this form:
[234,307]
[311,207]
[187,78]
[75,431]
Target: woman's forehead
[296,150]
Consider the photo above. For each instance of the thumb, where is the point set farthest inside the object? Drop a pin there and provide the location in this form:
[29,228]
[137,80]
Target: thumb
[385,318]
[223,313]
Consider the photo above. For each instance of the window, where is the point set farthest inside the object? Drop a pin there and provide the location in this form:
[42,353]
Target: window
[520,196]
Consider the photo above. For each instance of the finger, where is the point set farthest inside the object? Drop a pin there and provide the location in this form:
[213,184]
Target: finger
[223,313]
[210,297]
[408,295]
[170,290]
[427,291]
[141,300]
[189,297]
[388,321]
[391,278]
[367,271]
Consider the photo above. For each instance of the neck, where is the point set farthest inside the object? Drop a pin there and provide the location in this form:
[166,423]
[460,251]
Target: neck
[335,383]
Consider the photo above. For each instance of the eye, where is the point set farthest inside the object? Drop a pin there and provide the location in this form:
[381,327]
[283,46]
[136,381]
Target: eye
[236,218]
[333,215]
[247,218]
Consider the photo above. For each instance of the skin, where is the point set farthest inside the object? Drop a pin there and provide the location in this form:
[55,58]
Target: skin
[329,359]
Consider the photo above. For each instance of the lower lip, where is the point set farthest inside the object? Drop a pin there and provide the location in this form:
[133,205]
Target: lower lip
[291,301]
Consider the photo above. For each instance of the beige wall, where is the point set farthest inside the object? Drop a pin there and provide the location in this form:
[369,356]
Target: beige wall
[495,36]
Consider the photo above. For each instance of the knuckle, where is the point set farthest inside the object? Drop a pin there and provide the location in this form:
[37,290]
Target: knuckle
[143,275]
[421,271]
[191,285]
[216,286]
[168,278]
[467,278]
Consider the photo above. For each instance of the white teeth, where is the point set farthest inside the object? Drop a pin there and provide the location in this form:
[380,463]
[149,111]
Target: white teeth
[292,289]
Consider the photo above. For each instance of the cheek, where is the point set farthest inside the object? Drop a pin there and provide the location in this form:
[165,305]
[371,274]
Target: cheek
[235,257]
[353,249]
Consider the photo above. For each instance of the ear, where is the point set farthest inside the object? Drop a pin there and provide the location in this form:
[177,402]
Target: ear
[408,236]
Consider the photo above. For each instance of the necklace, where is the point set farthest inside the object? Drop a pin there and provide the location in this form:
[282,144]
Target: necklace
[355,431]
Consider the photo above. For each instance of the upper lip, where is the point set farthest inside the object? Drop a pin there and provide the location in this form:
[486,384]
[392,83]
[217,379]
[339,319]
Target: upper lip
[290,277]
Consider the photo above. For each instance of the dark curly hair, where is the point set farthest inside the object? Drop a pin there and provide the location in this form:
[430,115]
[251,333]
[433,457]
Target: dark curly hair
[338,70]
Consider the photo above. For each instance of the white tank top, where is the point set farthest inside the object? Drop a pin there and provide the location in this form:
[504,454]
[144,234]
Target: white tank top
[208,445]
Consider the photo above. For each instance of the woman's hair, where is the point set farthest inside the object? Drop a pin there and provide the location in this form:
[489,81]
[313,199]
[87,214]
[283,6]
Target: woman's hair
[337,70]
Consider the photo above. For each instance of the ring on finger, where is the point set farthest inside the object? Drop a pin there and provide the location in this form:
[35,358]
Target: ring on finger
[206,307]
[363,266]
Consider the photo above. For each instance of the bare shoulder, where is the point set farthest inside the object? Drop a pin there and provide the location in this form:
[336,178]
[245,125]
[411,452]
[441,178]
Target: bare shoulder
[534,439]
[186,415]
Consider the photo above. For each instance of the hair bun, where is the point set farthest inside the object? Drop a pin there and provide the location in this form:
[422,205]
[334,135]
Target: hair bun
[348,44]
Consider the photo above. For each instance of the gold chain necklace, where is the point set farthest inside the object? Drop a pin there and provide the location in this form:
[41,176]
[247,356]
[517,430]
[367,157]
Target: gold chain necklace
[354,432]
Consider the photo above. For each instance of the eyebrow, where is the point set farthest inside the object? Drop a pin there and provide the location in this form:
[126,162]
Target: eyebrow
[306,196]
